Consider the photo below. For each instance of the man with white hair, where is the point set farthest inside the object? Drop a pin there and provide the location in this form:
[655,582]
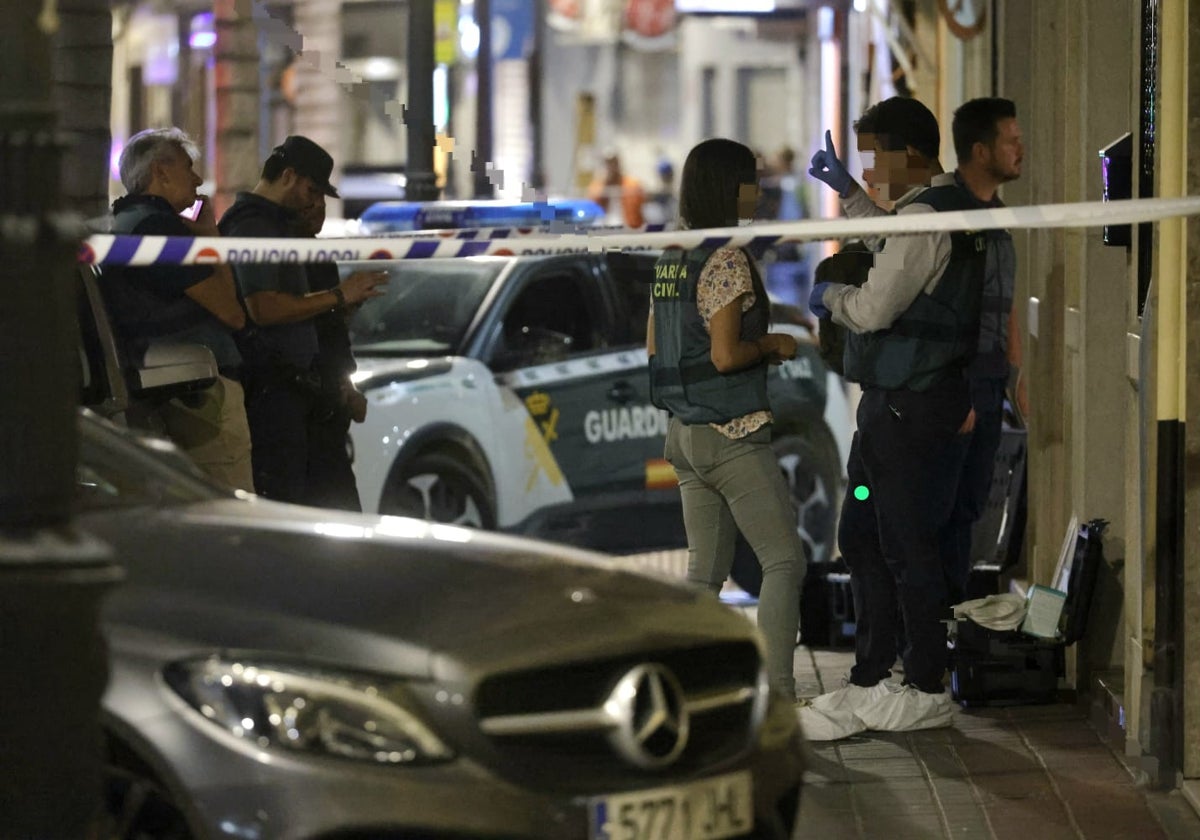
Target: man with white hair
[181,303]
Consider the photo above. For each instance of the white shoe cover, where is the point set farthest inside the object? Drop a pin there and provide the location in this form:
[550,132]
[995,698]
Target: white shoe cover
[828,725]
[849,697]
[907,708]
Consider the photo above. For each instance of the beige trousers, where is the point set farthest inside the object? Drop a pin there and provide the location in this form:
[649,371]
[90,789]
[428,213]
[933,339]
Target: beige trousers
[210,426]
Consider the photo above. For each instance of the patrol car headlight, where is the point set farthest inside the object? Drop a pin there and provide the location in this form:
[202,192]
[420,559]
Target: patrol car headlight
[322,713]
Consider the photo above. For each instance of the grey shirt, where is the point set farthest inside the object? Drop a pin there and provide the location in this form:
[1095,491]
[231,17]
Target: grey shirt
[253,215]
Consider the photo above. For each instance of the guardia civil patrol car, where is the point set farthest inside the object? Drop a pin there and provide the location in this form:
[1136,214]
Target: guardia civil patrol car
[512,393]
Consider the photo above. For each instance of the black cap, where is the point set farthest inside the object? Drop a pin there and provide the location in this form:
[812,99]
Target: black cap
[309,160]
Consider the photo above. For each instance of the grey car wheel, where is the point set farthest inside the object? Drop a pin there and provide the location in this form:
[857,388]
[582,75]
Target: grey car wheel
[810,466]
[440,488]
[137,807]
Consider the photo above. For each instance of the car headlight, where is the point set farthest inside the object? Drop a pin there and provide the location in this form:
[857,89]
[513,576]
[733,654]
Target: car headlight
[307,711]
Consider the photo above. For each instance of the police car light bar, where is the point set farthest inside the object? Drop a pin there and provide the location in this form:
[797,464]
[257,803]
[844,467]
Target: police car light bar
[398,216]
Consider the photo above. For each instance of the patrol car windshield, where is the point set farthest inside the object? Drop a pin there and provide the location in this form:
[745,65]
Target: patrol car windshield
[427,309]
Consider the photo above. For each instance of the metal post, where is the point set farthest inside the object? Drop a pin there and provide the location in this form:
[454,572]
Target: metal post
[483,101]
[536,64]
[52,656]
[1170,279]
[420,180]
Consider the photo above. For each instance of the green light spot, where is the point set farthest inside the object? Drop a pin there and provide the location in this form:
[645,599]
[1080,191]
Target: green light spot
[861,492]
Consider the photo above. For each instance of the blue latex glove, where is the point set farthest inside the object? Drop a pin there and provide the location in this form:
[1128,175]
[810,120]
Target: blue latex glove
[826,167]
[816,301]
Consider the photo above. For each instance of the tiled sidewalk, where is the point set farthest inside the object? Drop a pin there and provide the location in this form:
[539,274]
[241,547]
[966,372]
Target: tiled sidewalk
[1015,773]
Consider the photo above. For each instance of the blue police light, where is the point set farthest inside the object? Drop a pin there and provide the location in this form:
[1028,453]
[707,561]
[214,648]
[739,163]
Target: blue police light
[397,216]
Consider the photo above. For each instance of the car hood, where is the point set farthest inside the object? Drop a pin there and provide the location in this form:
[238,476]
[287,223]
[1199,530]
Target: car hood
[384,594]
[378,371]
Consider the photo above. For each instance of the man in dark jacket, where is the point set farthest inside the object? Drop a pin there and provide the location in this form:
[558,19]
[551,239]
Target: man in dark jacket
[330,476]
[990,150]
[284,394]
[172,303]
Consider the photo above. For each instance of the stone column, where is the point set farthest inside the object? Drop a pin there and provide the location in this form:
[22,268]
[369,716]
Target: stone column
[237,95]
[52,579]
[319,96]
[82,73]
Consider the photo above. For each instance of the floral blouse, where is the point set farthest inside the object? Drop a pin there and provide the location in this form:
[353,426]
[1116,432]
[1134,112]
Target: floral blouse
[725,278]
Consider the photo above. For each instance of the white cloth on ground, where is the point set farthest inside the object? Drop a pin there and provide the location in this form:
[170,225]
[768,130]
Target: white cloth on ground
[995,612]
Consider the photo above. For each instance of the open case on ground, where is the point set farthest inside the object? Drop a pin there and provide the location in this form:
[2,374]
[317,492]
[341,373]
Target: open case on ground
[1008,668]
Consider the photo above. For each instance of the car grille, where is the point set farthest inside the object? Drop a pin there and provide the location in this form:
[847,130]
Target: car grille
[554,728]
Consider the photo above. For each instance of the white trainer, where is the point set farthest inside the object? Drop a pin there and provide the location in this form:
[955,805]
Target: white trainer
[827,724]
[906,709]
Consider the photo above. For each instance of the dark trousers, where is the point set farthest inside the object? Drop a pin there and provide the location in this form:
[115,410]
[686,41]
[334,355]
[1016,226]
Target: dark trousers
[974,483]
[297,453]
[908,455]
[330,476]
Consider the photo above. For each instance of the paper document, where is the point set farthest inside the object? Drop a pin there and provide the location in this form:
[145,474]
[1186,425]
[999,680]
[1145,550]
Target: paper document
[1044,608]
[1062,570]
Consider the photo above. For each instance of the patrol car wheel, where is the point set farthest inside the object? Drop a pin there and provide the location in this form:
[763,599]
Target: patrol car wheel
[810,467]
[440,488]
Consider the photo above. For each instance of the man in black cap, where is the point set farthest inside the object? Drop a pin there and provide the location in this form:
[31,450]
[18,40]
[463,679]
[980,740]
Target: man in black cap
[284,396]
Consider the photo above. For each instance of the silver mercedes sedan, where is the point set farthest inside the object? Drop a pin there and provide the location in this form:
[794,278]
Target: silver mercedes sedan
[279,671]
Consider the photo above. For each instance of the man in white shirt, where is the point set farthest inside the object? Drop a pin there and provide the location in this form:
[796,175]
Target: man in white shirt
[913,328]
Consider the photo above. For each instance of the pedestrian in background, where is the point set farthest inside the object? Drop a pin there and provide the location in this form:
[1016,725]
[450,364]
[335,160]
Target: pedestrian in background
[661,207]
[619,194]
[709,350]
[787,266]
[913,330]
[791,188]
[180,303]
[284,393]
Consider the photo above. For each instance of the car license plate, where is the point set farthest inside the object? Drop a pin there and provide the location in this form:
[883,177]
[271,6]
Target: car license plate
[704,810]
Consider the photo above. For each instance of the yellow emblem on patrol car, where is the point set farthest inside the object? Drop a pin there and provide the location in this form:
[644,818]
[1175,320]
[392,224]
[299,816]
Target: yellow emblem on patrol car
[541,459]
[545,415]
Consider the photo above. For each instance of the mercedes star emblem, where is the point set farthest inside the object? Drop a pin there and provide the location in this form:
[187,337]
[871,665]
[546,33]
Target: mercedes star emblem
[652,720]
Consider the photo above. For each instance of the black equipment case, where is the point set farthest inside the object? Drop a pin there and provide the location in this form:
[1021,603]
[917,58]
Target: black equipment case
[1009,668]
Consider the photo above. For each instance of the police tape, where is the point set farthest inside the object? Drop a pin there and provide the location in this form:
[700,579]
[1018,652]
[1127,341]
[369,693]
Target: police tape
[357,230]
[110,249]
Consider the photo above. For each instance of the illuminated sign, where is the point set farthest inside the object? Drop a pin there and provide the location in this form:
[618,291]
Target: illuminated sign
[725,7]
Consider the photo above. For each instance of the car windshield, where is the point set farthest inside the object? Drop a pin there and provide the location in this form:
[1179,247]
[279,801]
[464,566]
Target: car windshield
[118,468]
[428,306]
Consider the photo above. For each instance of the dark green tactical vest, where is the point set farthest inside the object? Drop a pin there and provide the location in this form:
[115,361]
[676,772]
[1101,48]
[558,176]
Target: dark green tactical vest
[938,335]
[991,356]
[683,379]
[139,312]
